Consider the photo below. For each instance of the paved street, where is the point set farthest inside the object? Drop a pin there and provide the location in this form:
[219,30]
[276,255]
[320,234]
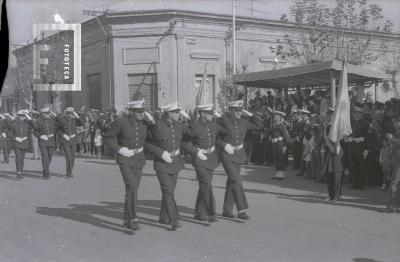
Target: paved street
[79,219]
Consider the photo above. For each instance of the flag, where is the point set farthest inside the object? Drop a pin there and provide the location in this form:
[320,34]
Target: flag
[201,93]
[341,119]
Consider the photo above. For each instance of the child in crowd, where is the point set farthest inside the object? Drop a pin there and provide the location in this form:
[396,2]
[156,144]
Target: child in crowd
[98,142]
[387,161]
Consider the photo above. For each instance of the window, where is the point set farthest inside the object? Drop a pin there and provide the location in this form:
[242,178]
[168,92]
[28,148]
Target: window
[143,86]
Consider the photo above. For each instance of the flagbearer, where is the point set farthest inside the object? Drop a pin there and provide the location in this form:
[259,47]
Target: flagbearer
[280,140]
[67,124]
[333,165]
[126,138]
[204,133]
[3,137]
[19,131]
[233,156]
[45,130]
[166,144]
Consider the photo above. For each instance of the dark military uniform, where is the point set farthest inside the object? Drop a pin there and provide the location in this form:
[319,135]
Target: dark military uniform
[204,135]
[236,132]
[296,133]
[167,136]
[279,138]
[357,147]
[47,127]
[3,139]
[21,129]
[67,126]
[130,133]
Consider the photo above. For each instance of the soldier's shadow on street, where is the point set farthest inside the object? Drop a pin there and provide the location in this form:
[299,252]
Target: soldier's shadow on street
[27,173]
[89,214]
[361,259]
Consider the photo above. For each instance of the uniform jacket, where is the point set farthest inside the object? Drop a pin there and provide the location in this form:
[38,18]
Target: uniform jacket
[236,132]
[67,126]
[204,135]
[127,132]
[18,128]
[166,136]
[44,126]
[360,129]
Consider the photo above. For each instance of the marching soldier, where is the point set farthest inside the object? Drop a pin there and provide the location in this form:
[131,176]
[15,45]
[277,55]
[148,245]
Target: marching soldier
[204,133]
[66,125]
[280,139]
[19,131]
[3,138]
[166,143]
[233,156]
[126,138]
[45,130]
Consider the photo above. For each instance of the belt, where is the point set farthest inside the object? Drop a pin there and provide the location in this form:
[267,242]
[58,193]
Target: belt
[276,140]
[238,147]
[175,153]
[51,135]
[208,150]
[137,150]
[23,138]
[357,139]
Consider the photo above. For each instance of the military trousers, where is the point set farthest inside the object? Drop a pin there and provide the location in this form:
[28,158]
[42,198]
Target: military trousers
[4,148]
[131,177]
[205,201]
[19,158]
[69,151]
[169,211]
[234,192]
[47,155]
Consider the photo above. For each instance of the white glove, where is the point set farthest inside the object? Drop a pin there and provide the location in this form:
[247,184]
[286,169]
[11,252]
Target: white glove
[54,114]
[3,135]
[185,115]
[247,113]
[217,114]
[201,155]
[75,114]
[166,157]
[389,136]
[284,148]
[365,154]
[2,117]
[28,116]
[123,151]
[18,139]
[229,149]
[44,137]
[149,117]
[66,137]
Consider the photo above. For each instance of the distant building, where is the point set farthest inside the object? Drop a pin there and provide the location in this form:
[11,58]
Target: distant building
[162,55]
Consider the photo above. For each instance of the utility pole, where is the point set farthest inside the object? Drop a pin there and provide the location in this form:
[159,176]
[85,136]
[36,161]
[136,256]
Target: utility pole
[234,35]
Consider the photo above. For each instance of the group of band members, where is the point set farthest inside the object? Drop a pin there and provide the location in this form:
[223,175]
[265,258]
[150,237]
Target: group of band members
[15,133]
[209,139]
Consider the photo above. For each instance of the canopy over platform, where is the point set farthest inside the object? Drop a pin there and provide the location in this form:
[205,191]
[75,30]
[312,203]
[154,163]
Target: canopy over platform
[312,75]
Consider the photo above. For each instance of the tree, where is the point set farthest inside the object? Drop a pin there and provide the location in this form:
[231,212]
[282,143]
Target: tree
[323,33]
[390,56]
